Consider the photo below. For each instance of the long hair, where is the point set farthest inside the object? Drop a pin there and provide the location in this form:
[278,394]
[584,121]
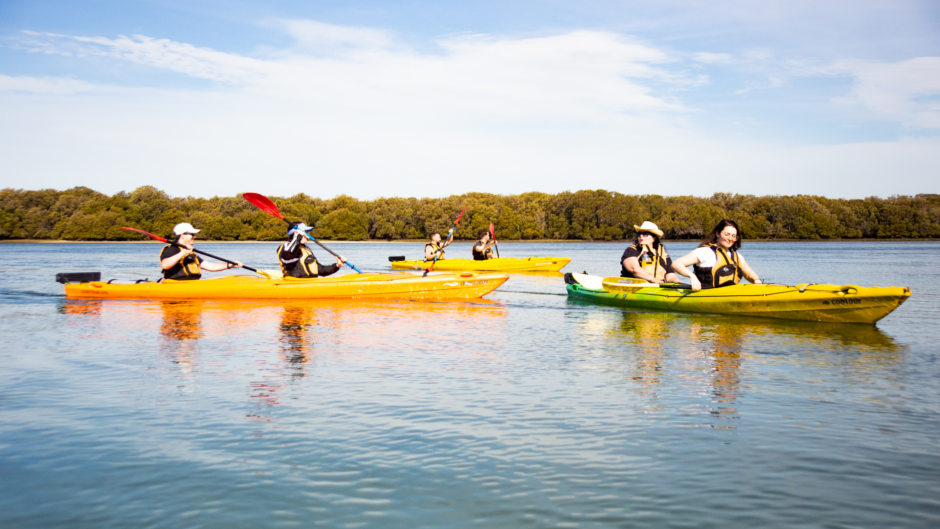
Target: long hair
[724,223]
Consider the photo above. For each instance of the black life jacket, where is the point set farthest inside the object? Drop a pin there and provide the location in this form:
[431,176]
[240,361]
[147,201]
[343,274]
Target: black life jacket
[652,261]
[187,267]
[481,256]
[727,269]
[300,263]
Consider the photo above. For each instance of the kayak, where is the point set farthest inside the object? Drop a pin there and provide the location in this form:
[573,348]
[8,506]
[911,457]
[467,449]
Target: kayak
[810,302]
[498,264]
[465,285]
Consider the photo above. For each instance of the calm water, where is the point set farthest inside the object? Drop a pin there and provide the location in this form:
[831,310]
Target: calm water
[524,410]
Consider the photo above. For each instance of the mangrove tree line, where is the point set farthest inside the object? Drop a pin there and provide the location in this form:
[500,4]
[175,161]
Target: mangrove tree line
[82,214]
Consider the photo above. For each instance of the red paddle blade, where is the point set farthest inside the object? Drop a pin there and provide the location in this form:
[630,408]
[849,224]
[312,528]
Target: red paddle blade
[458,216]
[263,203]
[152,236]
[492,232]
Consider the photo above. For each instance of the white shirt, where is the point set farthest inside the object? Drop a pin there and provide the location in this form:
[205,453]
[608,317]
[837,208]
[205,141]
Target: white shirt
[706,257]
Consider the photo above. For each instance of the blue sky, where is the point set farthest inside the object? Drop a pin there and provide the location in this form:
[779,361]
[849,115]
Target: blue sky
[433,98]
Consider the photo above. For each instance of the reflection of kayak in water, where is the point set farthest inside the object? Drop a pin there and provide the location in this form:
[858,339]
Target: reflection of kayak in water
[652,326]
[826,303]
[498,264]
[464,285]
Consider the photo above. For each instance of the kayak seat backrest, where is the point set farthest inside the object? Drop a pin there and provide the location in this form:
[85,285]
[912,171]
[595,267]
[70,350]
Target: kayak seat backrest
[77,277]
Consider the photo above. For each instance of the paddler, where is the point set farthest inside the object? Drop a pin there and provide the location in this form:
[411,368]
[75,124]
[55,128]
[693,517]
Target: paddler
[483,248]
[179,261]
[297,260]
[435,248]
[646,258]
[716,262]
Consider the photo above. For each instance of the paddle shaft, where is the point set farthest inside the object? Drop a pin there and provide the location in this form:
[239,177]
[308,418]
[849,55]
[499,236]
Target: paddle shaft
[493,236]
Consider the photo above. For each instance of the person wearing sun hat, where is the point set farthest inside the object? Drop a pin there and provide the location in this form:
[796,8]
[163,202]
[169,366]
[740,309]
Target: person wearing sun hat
[647,258]
[179,260]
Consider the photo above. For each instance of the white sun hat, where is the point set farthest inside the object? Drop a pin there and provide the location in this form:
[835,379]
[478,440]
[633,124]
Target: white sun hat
[650,227]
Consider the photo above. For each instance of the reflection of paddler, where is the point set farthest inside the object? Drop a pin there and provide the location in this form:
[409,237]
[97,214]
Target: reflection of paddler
[725,356]
[649,331]
[295,321]
[182,320]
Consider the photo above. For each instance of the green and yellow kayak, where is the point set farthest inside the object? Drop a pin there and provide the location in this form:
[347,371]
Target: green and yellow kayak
[811,302]
[499,264]
[465,285]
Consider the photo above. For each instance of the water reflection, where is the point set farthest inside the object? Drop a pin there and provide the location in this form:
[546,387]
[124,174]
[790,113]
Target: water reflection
[87,307]
[710,357]
[297,339]
[182,320]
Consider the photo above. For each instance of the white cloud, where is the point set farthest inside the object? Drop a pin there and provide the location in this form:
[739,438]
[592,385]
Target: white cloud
[350,110]
[202,63]
[321,38]
[44,85]
[906,91]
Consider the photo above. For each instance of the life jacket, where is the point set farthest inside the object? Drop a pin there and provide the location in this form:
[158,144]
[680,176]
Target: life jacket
[727,269]
[481,256]
[652,261]
[437,248]
[302,264]
[187,268]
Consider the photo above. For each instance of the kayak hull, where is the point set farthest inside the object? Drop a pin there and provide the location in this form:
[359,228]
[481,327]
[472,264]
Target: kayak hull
[808,302]
[466,285]
[499,264]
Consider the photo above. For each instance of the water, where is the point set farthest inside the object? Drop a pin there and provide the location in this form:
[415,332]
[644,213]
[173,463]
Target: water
[523,410]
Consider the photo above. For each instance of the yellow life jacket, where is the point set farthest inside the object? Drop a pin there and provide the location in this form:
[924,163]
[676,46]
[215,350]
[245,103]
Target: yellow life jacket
[303,265]
[727,269]
[652,261]
[437,248]
[187,268]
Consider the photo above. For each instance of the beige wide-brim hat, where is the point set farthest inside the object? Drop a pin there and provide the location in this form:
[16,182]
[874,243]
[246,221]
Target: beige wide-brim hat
[184,227]
[650,227]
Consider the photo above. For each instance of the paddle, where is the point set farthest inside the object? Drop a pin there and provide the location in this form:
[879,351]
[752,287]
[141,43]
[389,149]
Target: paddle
[207,254]
[626,284]
[493,236]
[438,253]
[265,204]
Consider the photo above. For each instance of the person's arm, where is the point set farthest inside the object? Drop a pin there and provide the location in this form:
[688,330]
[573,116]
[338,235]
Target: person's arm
[681,267]
[181,252]
[632,264]
[748,272]
[216,266]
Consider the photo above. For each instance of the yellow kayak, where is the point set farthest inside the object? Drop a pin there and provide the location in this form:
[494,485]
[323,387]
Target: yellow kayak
[812,302]
[499,264]
[465,285]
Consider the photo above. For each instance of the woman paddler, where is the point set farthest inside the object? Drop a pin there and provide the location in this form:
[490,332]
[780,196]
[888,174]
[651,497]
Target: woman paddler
[179,261]
[646,258]
[716,262]
[297,260]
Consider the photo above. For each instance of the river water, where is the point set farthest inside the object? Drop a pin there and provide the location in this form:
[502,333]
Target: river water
[522,410]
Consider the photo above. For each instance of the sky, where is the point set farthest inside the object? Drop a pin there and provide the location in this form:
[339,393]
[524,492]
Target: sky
[432,98]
